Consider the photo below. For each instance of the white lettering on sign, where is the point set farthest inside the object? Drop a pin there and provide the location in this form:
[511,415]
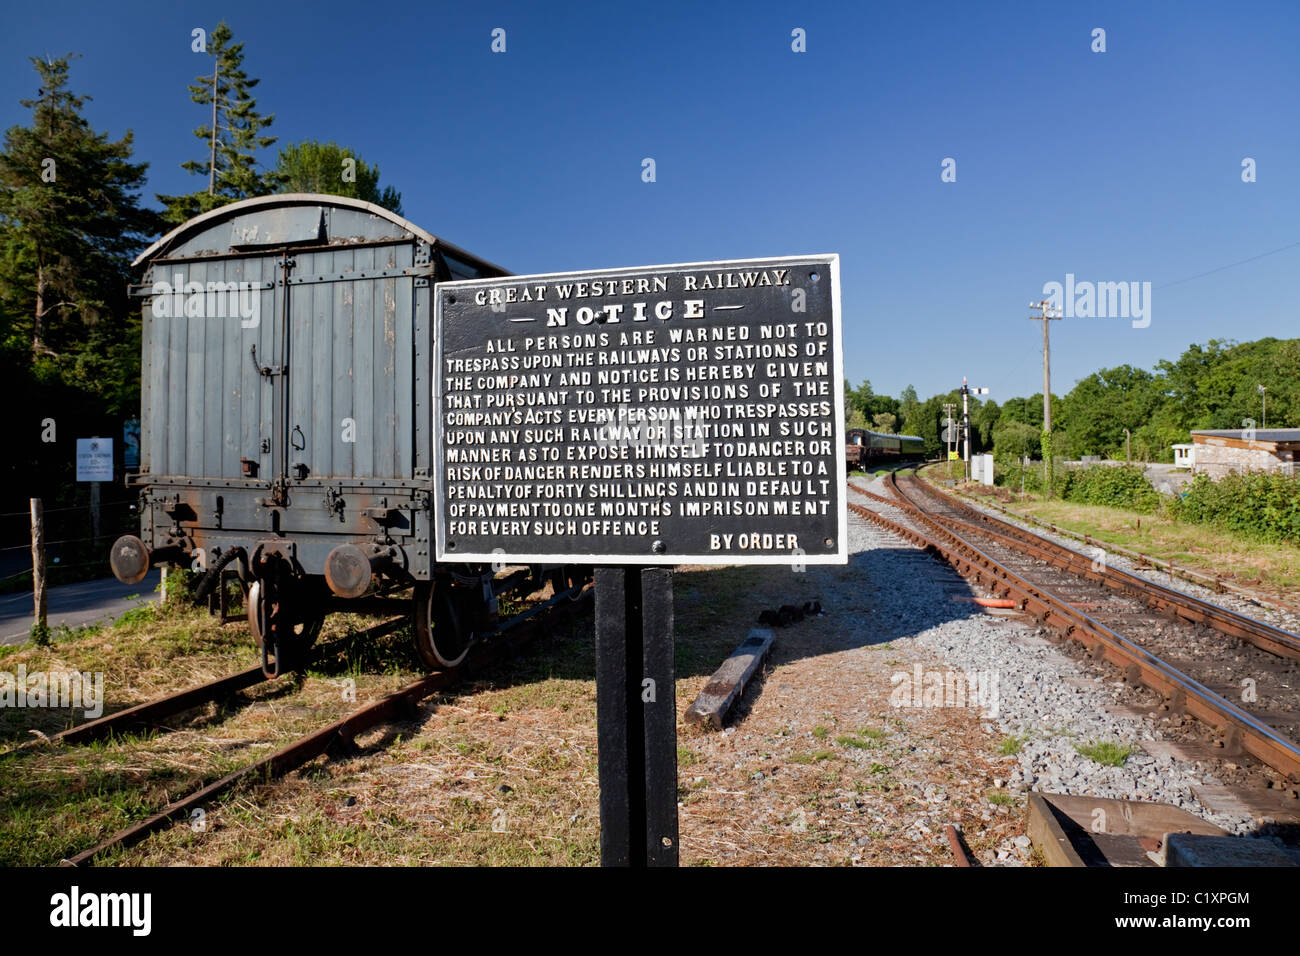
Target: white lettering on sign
[687,410]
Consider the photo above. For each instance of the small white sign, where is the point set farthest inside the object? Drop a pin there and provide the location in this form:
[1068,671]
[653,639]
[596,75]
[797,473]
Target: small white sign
[94,459]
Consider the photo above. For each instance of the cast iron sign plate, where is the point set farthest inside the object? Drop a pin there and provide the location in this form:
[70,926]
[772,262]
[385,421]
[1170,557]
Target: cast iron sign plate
[678,414]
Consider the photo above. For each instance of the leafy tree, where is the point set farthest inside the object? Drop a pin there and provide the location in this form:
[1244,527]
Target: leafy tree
[927,424]
[1028,411]
[231,162]
[69,220]
[884,422]
[1095,413]
[1015,439]
[315,167]
[983,419]
[909,406]
[859,398]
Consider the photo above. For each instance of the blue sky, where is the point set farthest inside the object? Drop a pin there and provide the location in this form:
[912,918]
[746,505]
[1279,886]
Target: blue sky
[1115,166]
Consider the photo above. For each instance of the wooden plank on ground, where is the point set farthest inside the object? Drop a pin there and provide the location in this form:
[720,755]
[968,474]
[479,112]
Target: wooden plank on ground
[728,682]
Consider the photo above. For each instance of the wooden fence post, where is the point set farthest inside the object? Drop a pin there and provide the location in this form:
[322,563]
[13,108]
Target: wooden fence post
[38,563]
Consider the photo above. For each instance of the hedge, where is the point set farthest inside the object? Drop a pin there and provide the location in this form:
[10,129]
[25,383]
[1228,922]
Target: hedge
[1261,505]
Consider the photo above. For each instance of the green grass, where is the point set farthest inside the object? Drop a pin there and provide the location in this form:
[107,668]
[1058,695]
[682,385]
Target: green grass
[1001,798]
[1194,547]
[1010,746]
[820,732]
[1106,753]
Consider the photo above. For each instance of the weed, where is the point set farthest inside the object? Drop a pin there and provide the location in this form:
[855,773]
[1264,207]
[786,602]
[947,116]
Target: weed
[1106,753]
[1010,746]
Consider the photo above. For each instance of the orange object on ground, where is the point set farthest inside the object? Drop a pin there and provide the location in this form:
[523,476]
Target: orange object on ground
[986,602]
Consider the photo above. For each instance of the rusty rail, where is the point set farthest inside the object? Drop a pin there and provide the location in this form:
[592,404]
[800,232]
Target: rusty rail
[1212,582]
[509,637]
[955,844]
[1157,596]
[156,710]
[1137,663]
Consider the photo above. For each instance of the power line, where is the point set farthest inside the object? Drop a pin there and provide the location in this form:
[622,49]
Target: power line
[1241,262]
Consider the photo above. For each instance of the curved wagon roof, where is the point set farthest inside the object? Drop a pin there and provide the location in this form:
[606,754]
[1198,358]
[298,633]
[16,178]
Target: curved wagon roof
[295,219]
[868,431]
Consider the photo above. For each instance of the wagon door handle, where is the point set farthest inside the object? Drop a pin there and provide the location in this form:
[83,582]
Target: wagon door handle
[267,370]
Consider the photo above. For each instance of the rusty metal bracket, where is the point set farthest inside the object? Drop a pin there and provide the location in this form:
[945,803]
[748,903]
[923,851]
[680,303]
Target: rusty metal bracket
[334,503]
[279,497]
[266,370]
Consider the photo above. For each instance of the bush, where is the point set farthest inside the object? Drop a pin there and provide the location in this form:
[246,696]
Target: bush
[1008,472]
[1115,487]
[1261,505]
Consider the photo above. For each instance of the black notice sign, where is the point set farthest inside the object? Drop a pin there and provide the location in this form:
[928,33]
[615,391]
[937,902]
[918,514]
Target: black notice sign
[659,415]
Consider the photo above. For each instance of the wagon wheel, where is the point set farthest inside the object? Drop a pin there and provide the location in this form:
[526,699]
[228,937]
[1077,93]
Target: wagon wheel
[569,581]
[267,618]
[442,633]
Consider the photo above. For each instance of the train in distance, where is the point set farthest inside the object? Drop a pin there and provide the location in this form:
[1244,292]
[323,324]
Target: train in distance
[863,448]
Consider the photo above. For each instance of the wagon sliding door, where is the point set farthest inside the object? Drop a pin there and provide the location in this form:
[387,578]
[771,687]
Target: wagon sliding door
[206,408]
[351,356]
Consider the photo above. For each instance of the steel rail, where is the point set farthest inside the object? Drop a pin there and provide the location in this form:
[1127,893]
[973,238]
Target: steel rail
[1212,582]
[1139,665]
[955,844]
[1157,596]
[340,732]
[153,711]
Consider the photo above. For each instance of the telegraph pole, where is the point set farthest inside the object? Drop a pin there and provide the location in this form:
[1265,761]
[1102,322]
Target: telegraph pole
[1047,314]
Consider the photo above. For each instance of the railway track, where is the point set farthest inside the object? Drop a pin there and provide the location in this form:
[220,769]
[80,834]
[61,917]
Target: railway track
[493,647]
[153,713]
[1142,561]
[1194,654]
[1169,601]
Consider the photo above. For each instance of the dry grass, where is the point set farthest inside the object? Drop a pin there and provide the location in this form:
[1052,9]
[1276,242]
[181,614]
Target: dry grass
[1272,568]
[502,771]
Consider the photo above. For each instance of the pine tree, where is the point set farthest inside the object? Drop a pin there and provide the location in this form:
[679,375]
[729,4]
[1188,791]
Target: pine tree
[230,163]
[315,167]
[69,221]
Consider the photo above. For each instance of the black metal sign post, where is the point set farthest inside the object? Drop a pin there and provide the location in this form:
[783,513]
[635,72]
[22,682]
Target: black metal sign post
[638,419]
[636,713]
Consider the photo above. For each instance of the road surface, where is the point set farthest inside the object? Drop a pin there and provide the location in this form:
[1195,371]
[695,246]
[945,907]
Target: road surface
[74,604]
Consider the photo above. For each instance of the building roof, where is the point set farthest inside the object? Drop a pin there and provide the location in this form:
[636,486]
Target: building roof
[1261,434]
